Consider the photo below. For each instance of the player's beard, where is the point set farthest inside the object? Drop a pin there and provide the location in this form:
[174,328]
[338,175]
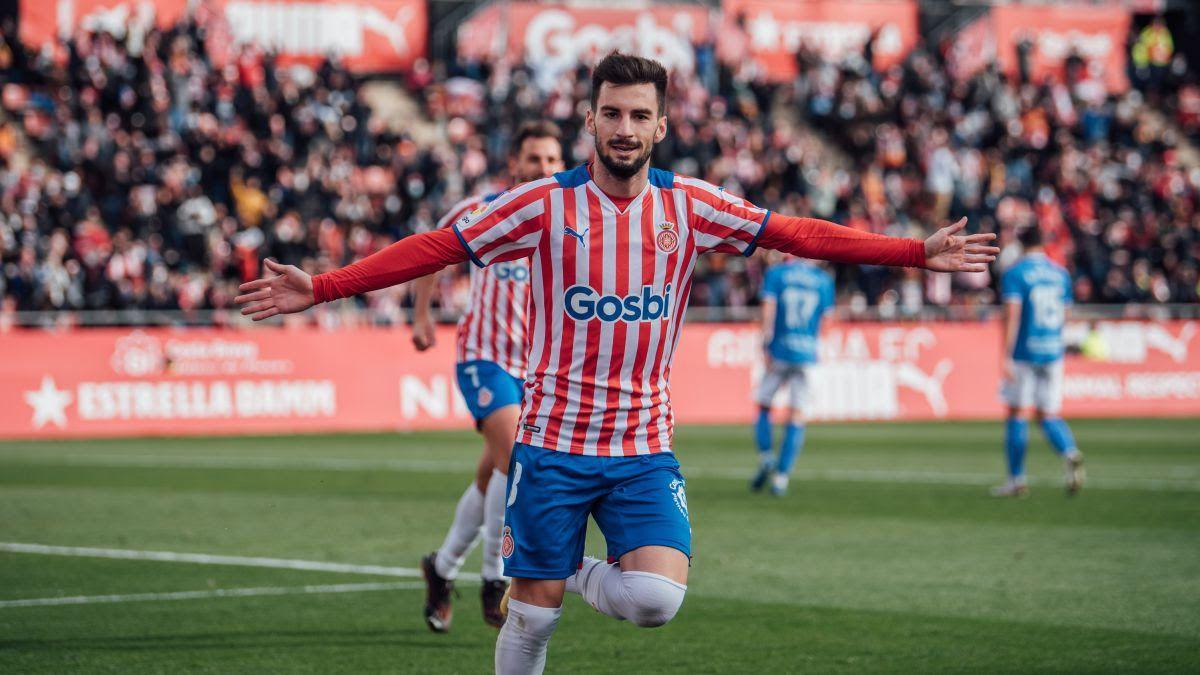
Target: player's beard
[627,169]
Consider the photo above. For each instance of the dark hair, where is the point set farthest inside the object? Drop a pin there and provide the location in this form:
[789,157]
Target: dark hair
[537,129]
[1030,236]
[621,69]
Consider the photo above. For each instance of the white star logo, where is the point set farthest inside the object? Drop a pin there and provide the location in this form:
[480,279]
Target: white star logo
[49,404]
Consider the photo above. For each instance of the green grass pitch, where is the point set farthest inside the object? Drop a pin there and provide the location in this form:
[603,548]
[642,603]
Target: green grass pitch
[887,556]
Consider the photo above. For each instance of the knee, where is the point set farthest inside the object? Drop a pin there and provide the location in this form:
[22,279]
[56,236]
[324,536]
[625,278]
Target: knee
[655,599]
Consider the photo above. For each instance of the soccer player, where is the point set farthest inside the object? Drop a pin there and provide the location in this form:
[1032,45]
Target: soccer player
[1036,293]
[795,297]
[612,246]
[490,369]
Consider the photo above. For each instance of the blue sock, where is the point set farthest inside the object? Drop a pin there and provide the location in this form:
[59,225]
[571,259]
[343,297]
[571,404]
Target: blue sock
[1016,437]
[1059,434]
[762,432]
[793,440]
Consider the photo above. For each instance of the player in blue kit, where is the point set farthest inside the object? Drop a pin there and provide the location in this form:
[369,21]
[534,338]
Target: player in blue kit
[795,297]
[1036,293]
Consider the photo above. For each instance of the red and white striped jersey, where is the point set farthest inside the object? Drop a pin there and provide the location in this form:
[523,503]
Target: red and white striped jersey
[609,288]
[493,326]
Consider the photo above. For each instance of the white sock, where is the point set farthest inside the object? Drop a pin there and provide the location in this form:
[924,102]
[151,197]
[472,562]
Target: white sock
[646,599]
[463,535]
[521,647]
[493,525]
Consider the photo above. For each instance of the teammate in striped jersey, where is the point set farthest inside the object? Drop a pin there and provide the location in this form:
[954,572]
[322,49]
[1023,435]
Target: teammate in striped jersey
[490,368]
[612,247]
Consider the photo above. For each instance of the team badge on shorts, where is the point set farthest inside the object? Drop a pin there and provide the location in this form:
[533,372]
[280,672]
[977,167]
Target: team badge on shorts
[485,397]
[667,241]
[679,496]
[506,542]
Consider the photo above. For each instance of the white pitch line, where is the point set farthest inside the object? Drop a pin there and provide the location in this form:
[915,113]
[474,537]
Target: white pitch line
[435,466]
[206,559]
[218,593]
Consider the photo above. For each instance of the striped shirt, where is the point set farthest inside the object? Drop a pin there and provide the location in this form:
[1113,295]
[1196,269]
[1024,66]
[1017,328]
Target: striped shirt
[609,289]
[493,326]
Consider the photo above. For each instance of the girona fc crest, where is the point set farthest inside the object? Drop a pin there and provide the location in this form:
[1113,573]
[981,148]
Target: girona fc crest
[506,542]
[667,241]
[485,397]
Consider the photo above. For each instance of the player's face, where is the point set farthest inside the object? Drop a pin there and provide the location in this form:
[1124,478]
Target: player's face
[536,158]
[626,123]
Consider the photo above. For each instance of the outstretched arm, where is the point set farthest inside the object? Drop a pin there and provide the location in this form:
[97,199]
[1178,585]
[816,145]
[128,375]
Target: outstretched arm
[294,290]
[944,251]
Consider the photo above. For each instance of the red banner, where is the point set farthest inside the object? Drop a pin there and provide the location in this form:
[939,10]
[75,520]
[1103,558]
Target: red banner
[557,37]
[42,22]
[774,30]
[120,382]
[1097,34]
[369,35]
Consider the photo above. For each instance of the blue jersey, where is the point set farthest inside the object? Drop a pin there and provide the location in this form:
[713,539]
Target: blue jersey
[802,293]
[1044,290]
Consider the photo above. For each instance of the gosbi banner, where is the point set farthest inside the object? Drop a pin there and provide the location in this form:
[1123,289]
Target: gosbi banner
[1097,33]
[557,37]
[776,29]
[369,35]
[124,382]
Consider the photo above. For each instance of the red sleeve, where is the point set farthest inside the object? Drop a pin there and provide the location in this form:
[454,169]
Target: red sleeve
[823,240]
[405,260]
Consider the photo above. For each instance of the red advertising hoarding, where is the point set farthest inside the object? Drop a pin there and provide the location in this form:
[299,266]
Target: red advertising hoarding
[776,29]
[557,37]
[120,382]
[1095,34]
[369,35]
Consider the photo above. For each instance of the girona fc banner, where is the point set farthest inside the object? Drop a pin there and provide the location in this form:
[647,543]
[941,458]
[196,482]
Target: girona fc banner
[369,35]
[774,30]
[556,37]
[123,382]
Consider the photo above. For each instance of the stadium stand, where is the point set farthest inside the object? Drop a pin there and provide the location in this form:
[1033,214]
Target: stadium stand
[136,174]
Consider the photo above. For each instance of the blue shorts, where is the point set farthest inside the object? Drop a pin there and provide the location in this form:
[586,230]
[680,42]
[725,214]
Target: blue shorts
[637,501]
[486,387]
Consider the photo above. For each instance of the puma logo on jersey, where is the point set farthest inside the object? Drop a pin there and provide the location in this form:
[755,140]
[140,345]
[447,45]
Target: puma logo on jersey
[579,236]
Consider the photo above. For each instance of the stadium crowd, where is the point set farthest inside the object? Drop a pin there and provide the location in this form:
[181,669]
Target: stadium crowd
[153,175]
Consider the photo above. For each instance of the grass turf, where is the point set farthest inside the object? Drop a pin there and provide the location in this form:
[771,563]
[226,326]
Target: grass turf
[887,556]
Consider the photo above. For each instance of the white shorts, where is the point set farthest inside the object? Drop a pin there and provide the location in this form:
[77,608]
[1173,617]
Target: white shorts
[793,376]
[1035,384]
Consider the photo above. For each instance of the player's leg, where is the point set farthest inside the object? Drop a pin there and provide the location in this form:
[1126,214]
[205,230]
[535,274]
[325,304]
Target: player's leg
[441,567]
[793,431]
[533,609]
[1018,392]
[644,520]
[499,430]
[1049,402]
[549,496]
[763,437]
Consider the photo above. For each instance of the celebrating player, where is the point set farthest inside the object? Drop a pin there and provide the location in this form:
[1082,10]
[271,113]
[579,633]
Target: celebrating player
[795,297]
[490,370]
[1036,294]
[613,244]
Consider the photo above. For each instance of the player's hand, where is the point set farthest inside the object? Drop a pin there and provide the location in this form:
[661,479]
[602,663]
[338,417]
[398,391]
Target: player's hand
[424,335]
[948,251]
[285,290]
